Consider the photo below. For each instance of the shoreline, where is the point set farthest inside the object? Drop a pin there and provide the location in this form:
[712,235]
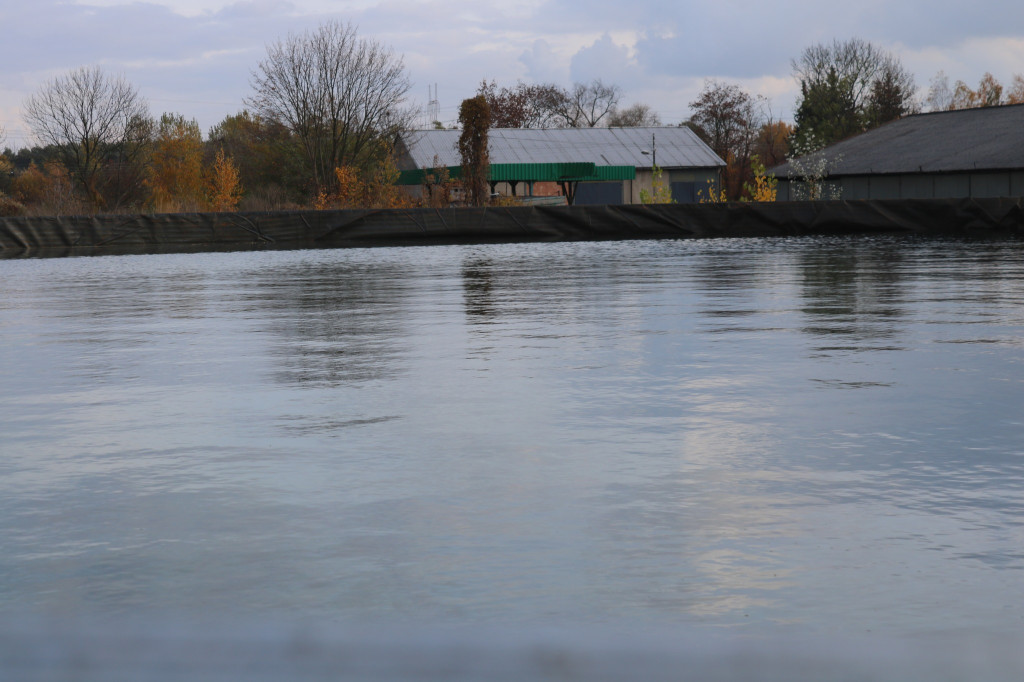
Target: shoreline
[105,234]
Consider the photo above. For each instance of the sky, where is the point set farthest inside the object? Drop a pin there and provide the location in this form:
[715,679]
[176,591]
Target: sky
[197,57]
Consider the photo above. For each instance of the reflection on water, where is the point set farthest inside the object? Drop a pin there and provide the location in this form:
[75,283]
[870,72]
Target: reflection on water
[813,434]
[336,323]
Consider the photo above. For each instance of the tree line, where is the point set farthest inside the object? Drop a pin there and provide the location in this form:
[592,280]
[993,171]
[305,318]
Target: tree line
[846,88]
[327,106]
[325,110]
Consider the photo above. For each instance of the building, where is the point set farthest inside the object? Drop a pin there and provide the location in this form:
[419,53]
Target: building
[527,160]
[947,154]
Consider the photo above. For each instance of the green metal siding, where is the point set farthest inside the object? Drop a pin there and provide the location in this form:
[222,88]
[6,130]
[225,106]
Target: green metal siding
[534,172]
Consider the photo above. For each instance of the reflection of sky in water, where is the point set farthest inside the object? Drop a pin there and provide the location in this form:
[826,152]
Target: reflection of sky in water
[815,434]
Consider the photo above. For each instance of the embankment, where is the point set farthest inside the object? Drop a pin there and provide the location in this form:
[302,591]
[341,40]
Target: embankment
[114,234]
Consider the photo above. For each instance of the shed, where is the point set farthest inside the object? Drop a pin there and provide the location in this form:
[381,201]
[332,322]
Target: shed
[938,155]
[688,165]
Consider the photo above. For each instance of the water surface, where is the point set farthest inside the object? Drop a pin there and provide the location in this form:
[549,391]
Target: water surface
[799,435]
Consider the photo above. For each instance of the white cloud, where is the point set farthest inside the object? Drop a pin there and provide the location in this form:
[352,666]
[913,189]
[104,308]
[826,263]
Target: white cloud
[968,60]
[543,64]
[606,60]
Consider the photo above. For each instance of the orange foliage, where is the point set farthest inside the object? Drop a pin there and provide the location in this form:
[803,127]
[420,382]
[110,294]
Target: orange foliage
[772,145]
[1016,93]
[176,170]
[223,186]
[381,190]
[350,188]
[29,187]
[49,190]
[988,94]
[376,191]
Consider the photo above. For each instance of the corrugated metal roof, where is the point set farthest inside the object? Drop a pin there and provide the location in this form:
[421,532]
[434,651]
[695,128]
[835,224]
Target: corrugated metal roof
[676,147]
[990,138]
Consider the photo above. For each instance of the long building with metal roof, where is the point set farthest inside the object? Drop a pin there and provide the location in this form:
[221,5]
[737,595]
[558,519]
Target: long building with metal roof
[687,164]
[947,154]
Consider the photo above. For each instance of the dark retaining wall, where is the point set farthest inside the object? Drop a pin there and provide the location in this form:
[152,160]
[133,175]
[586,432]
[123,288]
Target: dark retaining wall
[110,234]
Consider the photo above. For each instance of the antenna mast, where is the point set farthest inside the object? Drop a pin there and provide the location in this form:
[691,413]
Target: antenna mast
[433,107]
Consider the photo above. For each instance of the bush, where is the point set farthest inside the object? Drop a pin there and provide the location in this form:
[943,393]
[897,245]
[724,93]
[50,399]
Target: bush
[9,207]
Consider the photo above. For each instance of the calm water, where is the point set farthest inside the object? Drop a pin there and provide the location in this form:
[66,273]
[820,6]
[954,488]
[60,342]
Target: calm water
[801,435]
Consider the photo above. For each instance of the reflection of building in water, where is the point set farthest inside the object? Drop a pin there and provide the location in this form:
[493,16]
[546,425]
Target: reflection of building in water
[853,291]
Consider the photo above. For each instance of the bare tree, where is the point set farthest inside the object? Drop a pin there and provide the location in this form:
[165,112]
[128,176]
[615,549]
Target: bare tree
[523,106]
[847,87]
[990,93]
[99,123]
[587,104]
[856,61]
[940,95]
[729,120]
[636,116]
[343,96]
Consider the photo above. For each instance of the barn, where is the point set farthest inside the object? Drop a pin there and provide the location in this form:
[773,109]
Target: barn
[618,162]
[970,153]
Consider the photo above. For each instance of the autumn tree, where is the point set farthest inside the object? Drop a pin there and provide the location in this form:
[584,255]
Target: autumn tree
[176,166]
[99,124]
[636,116]
[348,193]
[522,106]
[763,186]
[772,145]
[989,93]
[340,95]
[475,119]
[437,186]
[6,166]
[728,119]
[847,87]
[223,188]
[29,186]
[381,185]
[376,187]
[1015,95]
[47,190]
[267,155]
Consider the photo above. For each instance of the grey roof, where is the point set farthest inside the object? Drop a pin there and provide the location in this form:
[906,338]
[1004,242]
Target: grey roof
[990,138]
[676,147]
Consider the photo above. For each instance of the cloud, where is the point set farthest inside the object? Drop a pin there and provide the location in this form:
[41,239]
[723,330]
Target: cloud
[543,65]
[606,60]
[196,56]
